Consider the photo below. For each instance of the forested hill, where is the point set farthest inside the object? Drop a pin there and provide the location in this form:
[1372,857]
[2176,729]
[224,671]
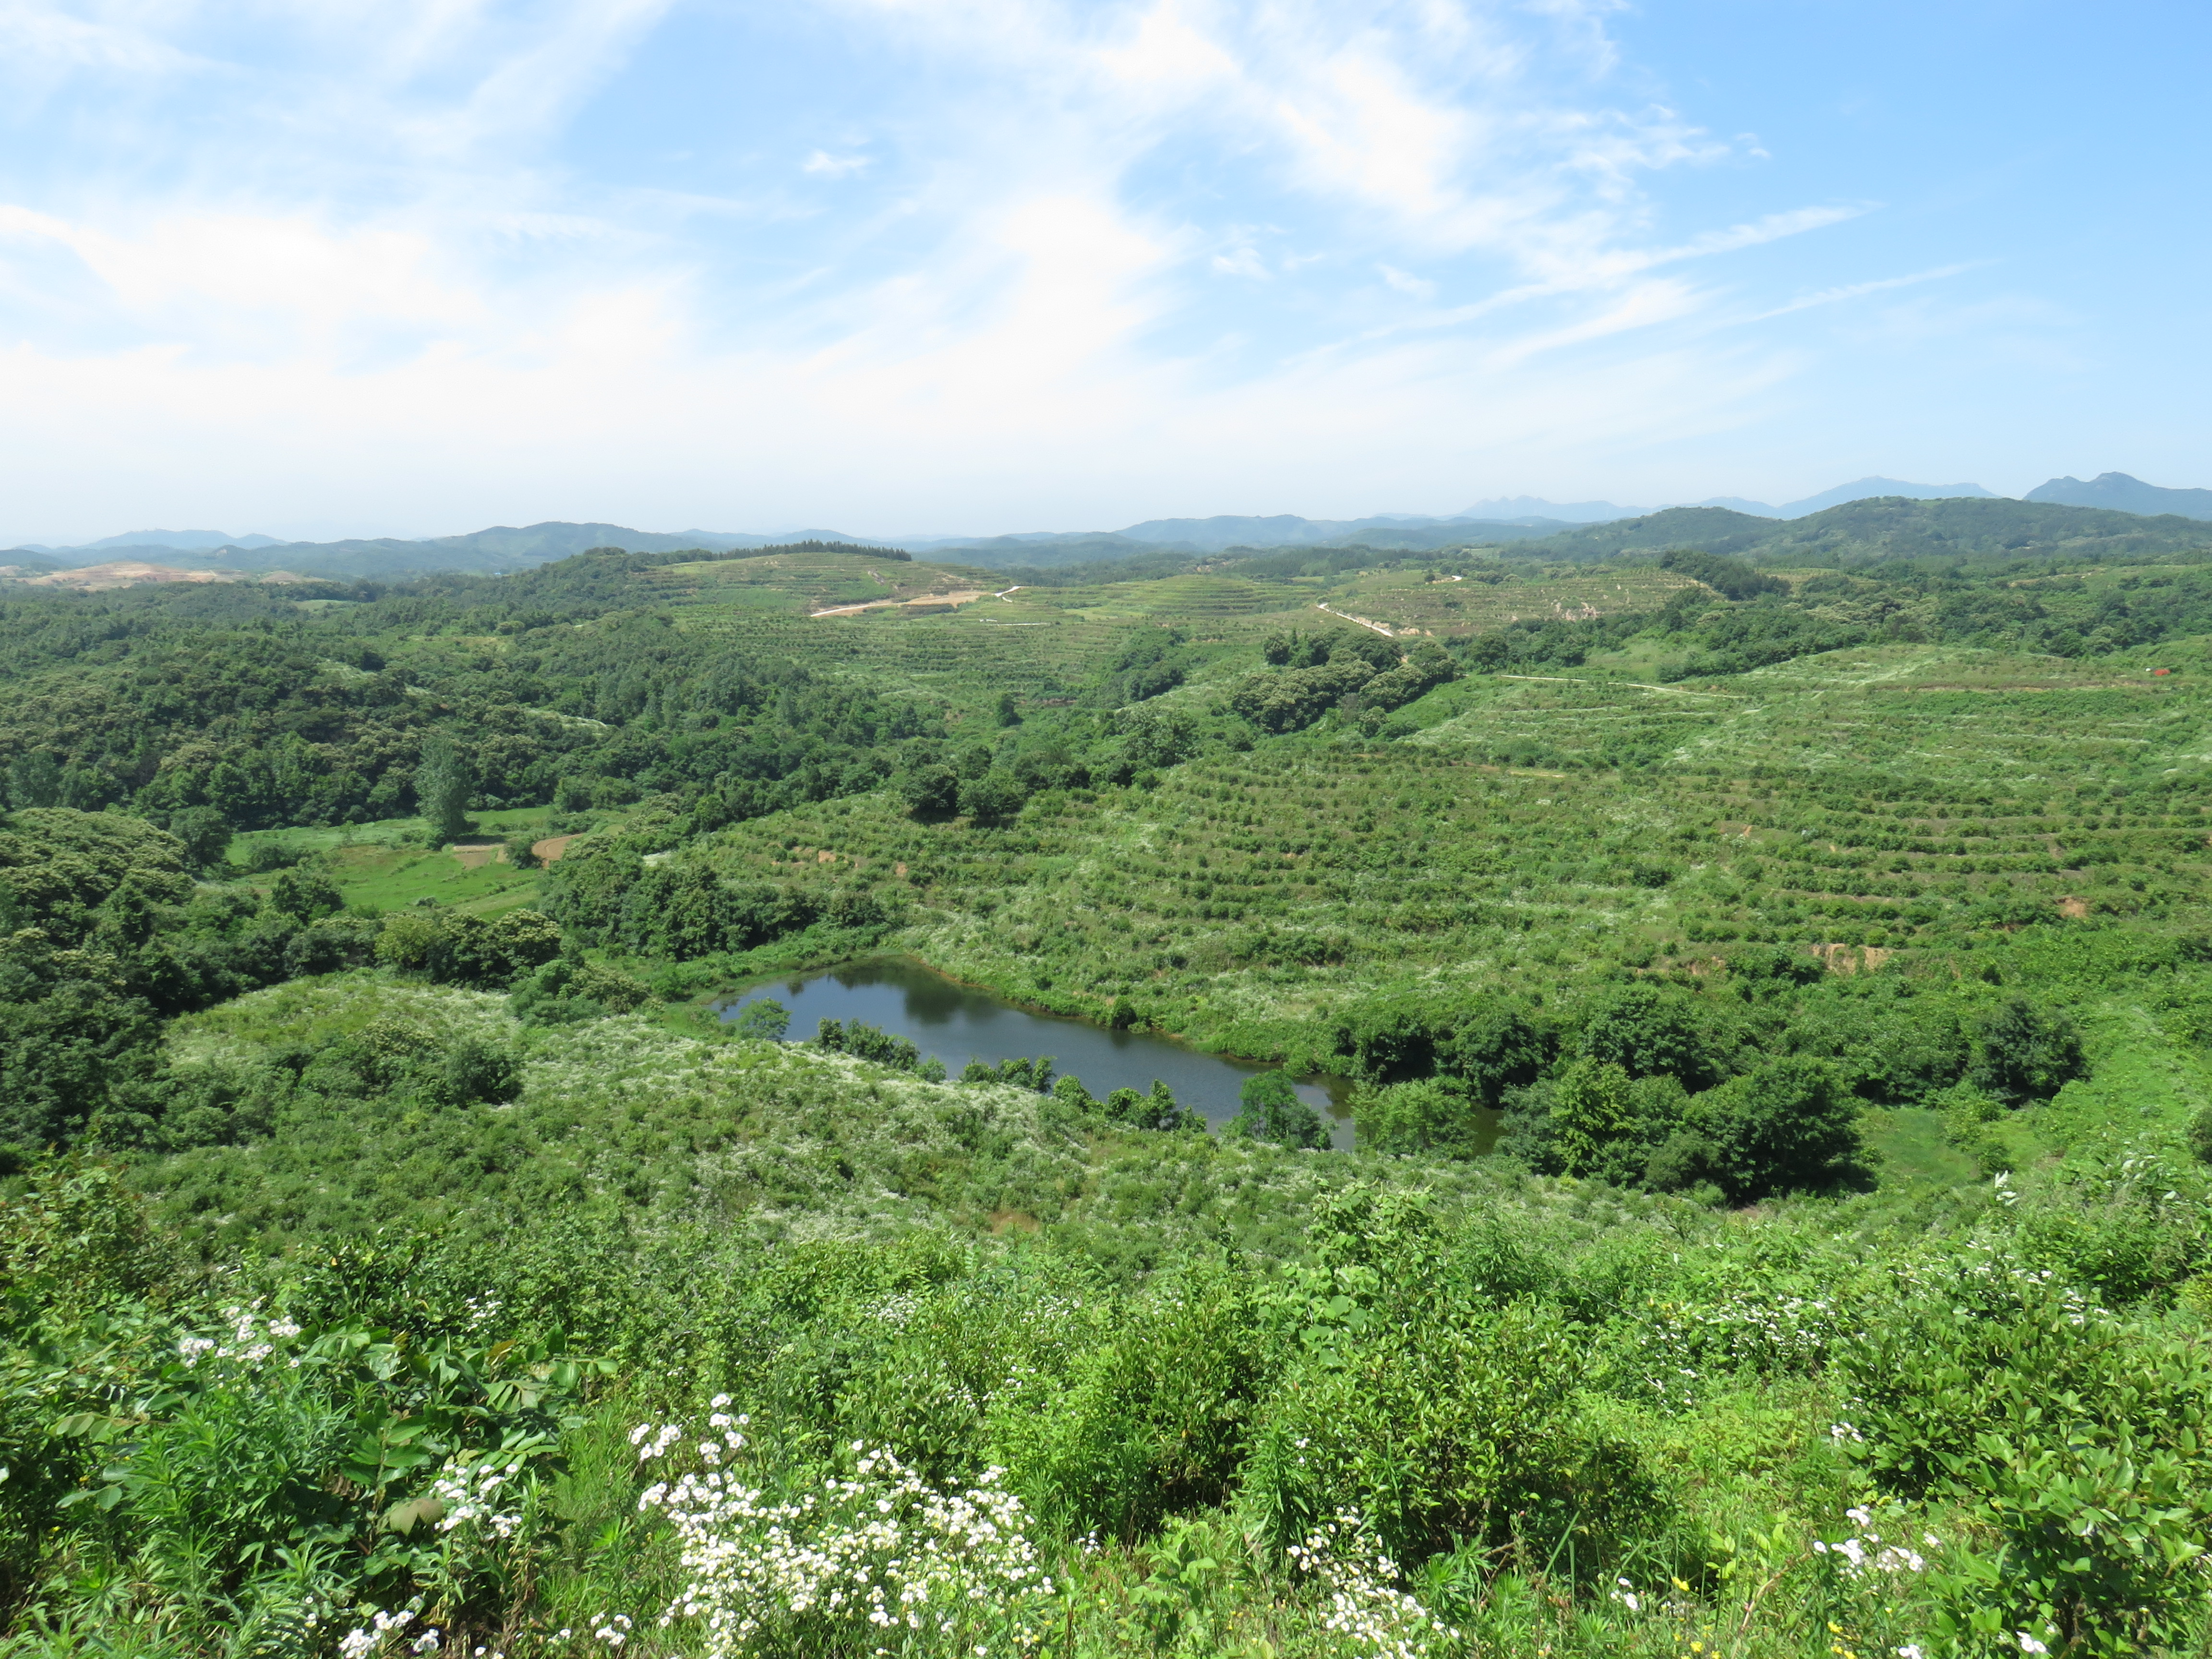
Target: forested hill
[1720,1055]
[1890,528]
[269,710]
[483,552]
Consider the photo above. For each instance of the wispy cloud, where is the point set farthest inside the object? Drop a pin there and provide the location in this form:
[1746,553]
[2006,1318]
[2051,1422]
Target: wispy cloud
[442,261]
[1406,282]
[1829,296]
[1643,305]
[40,41]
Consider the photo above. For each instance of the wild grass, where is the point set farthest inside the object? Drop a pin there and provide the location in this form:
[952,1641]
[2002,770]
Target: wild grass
[728,1494]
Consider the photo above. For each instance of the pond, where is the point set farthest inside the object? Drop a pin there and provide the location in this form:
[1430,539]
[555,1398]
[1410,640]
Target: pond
[957,1023]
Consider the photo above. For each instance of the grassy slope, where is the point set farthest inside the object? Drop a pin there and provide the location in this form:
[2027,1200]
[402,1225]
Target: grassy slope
[779,1141]
[799,582]
[383,866]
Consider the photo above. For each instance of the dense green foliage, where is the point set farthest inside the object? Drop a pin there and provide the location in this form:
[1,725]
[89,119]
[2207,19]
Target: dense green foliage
[482,694]
[1771,1000]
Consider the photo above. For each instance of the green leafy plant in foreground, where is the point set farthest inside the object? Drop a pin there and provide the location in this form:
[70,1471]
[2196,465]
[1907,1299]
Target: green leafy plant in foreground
[2075,1441]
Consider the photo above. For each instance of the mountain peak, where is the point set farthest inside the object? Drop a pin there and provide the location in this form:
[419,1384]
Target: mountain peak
[192,541]
[1861,489]
[1507,508]
[2124,494]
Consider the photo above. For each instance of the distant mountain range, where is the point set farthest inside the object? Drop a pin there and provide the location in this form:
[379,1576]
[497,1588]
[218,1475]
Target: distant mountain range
[483,552]
[1720,524]
[1885,527]
[1519,509]
[2123,494]
[1044,550]
[1861,490]
[182,540]
[1287,530]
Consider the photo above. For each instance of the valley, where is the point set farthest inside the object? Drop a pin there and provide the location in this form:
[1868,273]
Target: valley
[1603,1099]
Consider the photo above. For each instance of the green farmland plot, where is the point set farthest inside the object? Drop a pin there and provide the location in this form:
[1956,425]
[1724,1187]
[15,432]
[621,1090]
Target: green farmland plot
[1456,605]
[811,580]
[1194,598]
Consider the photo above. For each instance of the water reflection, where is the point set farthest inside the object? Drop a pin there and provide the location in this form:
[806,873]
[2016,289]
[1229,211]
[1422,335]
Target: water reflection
[957,1023]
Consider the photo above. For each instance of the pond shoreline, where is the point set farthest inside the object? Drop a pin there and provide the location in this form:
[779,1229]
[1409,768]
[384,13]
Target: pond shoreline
[1037,1010]
[954,1020]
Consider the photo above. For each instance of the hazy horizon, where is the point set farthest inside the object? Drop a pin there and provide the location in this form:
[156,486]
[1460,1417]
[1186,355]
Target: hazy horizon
[889,537]
[874,533]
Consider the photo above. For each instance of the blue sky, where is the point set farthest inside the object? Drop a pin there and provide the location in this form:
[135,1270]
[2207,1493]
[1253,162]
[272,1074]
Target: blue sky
[418,266]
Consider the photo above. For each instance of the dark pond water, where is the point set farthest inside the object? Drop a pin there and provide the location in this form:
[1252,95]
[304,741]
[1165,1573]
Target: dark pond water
[957,1023]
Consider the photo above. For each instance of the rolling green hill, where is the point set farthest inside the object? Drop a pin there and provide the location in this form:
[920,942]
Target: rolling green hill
[1890,527]
[1772,1001]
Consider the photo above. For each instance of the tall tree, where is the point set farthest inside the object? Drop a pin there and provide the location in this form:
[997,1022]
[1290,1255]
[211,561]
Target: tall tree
[33,779]
[1270,1110]
[443,784]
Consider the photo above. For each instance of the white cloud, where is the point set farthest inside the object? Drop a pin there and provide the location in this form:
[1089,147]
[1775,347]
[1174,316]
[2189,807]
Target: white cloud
[1167,52]
[1829,296]
[1407,282]
[1242,259]
[238,274]
[1040,409]
[42,40]
[385,289]
[1643,305]
[1443,123]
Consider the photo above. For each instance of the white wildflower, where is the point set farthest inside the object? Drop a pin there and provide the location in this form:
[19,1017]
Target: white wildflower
[1348,1560]
[481,1495]
[247,1339]
[885,1550]
[1866,1554]
[369,1639]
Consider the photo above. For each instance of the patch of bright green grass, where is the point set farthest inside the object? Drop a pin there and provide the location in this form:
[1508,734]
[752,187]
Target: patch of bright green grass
[383,866]
[1907,1145]
[408,831]
[2143,1081]
[391,877]
[314,1012]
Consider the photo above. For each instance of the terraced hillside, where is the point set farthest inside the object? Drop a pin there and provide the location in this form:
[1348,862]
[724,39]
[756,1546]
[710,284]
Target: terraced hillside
[1534,826]
[815,580]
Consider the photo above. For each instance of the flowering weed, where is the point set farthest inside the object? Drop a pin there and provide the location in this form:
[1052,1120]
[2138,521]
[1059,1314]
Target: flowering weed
[880,1554]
